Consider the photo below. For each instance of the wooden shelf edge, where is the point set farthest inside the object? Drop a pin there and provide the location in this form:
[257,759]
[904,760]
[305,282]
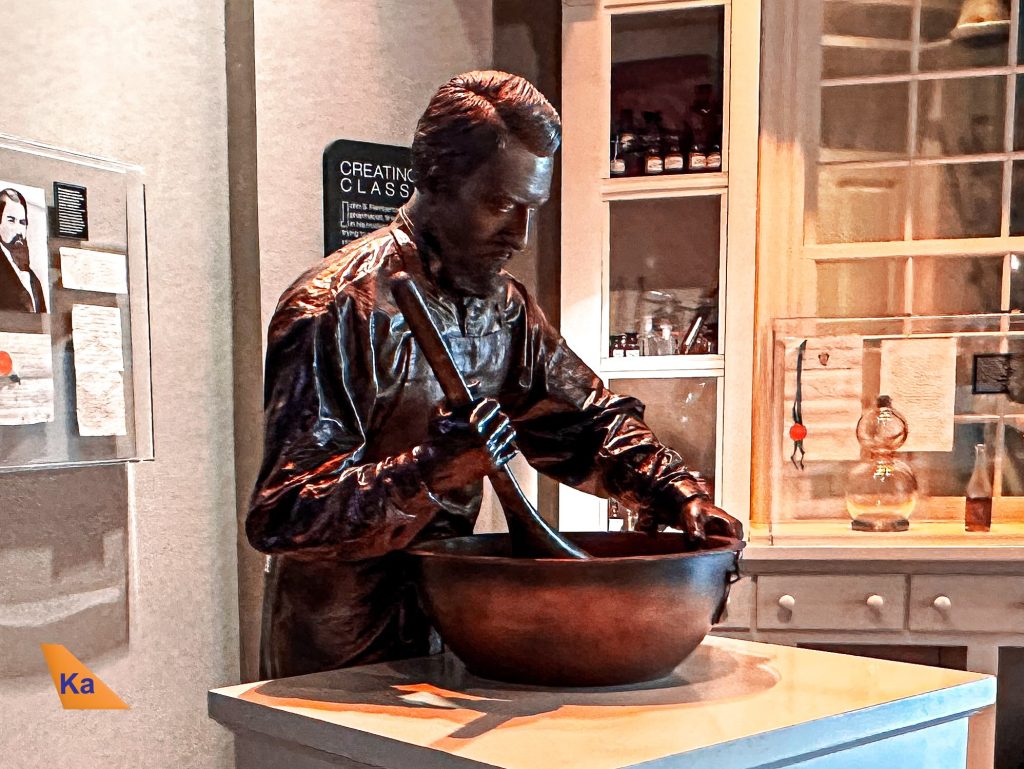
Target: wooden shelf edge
[639,187]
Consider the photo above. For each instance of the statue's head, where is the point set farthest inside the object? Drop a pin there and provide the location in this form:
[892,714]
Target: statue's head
[483,159]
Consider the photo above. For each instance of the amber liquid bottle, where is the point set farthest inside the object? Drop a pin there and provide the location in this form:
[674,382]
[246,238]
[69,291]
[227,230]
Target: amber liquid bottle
[978,510]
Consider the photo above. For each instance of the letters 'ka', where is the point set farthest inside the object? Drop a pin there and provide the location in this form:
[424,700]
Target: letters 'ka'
[77,686]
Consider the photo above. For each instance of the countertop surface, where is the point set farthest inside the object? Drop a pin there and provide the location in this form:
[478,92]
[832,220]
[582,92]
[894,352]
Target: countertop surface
[730,699]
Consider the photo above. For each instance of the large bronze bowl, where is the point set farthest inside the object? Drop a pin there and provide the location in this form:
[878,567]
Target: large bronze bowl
[632,613]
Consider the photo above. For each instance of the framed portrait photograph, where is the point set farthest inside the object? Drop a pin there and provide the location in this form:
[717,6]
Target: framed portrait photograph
[24,259]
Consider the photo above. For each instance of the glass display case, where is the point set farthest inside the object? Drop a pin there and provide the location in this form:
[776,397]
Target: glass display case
[657,279]
[75,380]
[957,381]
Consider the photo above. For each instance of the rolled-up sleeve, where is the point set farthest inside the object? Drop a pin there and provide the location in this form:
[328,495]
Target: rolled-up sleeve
[315,493]
[572,428]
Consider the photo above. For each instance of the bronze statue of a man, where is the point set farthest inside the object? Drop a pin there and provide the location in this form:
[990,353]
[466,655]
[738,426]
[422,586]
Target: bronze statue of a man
[362,460]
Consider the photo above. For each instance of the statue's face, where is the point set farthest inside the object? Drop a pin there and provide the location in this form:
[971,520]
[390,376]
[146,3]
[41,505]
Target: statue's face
[487,219]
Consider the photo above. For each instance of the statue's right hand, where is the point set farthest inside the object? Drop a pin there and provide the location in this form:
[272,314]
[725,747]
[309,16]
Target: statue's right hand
[466,443]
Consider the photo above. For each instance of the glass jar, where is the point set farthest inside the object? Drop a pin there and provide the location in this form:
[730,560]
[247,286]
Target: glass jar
[881,490]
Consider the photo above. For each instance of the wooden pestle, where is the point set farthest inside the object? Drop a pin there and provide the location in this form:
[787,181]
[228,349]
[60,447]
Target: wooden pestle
[530,535]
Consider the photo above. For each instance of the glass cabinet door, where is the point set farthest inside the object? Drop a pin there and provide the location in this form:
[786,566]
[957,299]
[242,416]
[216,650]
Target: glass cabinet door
[667,96]
[664,274]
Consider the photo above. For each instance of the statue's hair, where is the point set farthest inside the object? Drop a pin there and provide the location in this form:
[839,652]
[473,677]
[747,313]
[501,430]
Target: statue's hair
[473,115]
[11,195]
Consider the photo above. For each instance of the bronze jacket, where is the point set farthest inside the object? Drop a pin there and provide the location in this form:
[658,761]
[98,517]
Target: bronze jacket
[339,495]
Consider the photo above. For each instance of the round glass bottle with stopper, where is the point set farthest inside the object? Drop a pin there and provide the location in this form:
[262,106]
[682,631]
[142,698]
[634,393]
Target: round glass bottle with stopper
[881,490]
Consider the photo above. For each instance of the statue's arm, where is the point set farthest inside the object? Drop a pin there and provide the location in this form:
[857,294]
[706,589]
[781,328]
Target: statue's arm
[315,494]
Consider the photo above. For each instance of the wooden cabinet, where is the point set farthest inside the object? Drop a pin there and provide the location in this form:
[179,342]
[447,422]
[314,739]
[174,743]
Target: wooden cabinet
[657,255]
[832,602]
[965,603]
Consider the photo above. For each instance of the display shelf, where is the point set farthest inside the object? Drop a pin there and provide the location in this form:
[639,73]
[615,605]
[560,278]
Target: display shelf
[921,534]
[663,365]
[637,187]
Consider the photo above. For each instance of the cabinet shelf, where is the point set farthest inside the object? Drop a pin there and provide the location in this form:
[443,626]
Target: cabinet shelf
[637,187]
[663,366]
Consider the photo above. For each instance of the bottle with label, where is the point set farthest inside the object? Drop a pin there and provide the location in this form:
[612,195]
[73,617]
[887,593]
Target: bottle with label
[697,159]
[629,144]
[702,121]
[674,161]
[714,158]
[617,346]
[978,508]
[632,345]
[617,165]
[654,163]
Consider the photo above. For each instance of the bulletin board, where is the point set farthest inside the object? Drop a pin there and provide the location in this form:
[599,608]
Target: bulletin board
[74,316]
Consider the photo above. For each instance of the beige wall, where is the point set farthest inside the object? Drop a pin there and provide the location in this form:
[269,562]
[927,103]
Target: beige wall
[343,69]
[337,69]
[144,83]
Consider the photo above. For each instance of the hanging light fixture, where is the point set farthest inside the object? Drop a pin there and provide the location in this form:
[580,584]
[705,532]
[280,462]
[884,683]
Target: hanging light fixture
[982,19]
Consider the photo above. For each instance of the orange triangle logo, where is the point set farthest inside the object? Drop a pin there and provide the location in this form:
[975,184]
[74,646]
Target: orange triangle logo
[77,686]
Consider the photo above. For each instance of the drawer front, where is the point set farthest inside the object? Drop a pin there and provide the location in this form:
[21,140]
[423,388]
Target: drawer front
[740,607]
[820,602]
[971,603]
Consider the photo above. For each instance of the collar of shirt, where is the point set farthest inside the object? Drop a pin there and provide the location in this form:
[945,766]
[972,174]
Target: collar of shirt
[474,316]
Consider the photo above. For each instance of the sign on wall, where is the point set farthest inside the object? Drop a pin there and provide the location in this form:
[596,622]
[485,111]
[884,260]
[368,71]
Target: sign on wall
[364,185]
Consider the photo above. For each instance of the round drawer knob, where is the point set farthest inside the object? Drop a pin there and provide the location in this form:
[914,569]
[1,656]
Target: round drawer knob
[875,602]
[787,602]
[942,603]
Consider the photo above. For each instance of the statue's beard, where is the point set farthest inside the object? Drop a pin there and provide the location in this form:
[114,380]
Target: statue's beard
[19,253]
[472,282]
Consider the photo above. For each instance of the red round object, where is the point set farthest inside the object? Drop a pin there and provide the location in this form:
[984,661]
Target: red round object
[797,432]
[6,364]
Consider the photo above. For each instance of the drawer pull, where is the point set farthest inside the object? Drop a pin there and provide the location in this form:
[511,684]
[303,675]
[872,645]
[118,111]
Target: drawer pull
[875,602]
[787,602]
[942,603]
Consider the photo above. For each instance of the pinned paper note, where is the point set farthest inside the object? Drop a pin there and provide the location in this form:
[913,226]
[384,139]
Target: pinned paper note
[26,379]
[93,271]
[920,377]
[831,380]
[99,367]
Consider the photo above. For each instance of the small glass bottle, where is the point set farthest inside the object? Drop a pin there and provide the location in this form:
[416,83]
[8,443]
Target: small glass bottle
[617,346]
[978,507]
[632,345]
[654,162]
[617,164]
[881,491]
[647,337]
[697,159]
[714,158]
[674,162]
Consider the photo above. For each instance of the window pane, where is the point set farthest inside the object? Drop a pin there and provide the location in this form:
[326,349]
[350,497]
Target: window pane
[1017,199]
[857,205]
[1013,459]
[946,473]
[864,121]
[664,258]
[961,116]
[867,288]
[957,200]
[865,40]
[683,413]
[1018,128]
[957,285]
[945,45]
